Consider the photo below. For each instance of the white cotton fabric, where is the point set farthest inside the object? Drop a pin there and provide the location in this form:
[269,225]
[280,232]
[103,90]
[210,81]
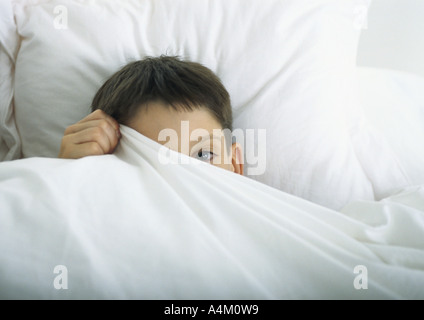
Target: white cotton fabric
[127,226]
[393,103]
[10,141]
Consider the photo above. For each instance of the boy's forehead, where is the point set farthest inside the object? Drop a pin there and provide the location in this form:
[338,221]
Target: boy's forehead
[161,116]
[158,118]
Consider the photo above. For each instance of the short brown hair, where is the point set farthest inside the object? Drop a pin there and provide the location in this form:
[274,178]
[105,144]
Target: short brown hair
[181,84]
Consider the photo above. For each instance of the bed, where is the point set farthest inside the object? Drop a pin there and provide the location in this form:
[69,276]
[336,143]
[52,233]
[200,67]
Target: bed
[330,207]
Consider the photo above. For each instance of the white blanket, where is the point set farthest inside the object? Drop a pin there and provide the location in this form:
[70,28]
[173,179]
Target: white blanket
[125,226]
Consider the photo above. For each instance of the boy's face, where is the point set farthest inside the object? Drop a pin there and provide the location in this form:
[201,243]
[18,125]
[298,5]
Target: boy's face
[195,133]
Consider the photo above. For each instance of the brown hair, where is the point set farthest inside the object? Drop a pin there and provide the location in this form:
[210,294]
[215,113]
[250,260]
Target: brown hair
[181,84]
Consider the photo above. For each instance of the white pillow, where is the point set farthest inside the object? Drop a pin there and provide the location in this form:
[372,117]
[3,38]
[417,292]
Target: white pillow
[288,65]
[398,115]
[10,145]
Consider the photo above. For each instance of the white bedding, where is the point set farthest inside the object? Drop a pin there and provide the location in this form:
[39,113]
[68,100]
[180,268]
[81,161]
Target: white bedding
[126,226]
[393,103]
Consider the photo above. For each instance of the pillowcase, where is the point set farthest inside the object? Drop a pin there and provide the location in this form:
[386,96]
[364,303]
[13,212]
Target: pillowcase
[9,137]
[399,116]
[287,64]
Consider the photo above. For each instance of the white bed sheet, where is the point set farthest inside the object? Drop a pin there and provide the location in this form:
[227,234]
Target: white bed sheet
[128,227]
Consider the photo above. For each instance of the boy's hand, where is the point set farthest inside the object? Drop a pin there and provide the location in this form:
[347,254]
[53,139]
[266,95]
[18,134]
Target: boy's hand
[96,134]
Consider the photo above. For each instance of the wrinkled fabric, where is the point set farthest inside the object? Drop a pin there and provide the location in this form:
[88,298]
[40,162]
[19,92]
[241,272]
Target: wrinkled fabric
[147,224]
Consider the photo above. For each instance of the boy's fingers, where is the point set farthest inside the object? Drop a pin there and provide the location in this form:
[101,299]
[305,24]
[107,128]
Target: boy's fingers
[91,134]
[95,125]
[105,138]
[96,134]
[102,123]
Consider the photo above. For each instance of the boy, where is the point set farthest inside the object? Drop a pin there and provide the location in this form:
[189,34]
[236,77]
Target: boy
[158,97]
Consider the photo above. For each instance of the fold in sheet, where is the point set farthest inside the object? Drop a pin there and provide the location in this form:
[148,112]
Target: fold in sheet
[127,226]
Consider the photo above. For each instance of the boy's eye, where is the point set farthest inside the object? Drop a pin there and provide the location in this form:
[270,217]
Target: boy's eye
[205,155]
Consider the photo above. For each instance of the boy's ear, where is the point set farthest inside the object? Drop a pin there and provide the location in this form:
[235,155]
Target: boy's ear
[237,160]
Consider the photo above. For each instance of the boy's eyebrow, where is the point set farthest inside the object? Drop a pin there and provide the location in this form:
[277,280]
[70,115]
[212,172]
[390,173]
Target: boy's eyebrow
[210,136]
